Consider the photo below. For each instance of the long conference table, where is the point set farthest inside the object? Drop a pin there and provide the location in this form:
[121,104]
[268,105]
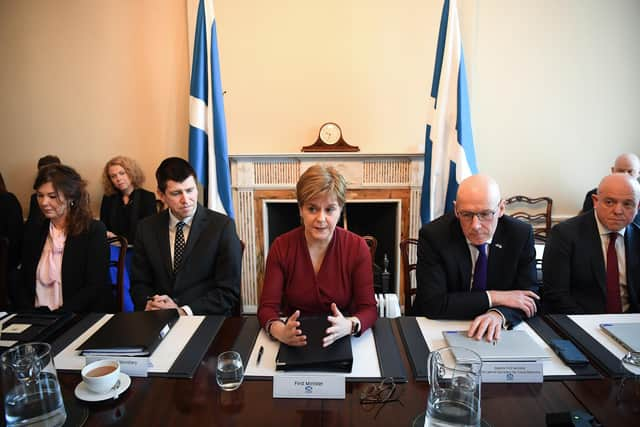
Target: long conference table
[199,401]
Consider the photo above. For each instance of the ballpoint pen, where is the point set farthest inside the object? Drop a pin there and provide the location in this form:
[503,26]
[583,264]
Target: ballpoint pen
[260,355]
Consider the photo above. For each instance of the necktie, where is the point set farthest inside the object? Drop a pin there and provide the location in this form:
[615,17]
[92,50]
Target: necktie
[480,270]
[614,305]
[178,246]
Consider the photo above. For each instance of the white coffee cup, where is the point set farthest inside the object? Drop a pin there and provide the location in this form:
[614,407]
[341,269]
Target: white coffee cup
[101,376]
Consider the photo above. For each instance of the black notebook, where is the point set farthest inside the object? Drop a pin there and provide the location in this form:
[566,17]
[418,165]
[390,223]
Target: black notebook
[130,334]
[338,357]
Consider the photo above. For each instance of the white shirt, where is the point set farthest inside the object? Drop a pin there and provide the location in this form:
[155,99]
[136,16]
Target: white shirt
[186,229]
[622,259]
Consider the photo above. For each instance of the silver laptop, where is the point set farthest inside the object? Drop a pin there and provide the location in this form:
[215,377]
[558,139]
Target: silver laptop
[627,334]
[512,346]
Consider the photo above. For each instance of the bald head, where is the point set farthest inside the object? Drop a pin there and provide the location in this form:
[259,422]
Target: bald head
[616,203]
[479,189]
[627,163]
[478,207]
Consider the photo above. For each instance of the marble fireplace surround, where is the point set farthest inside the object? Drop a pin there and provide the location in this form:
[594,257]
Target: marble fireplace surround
[259,178]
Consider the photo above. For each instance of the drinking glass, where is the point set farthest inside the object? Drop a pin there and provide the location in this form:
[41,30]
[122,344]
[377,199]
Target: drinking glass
[454,392]
[30,386]
[230,371]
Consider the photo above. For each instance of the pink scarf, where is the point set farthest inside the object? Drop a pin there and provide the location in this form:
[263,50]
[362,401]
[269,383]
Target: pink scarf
[49,272]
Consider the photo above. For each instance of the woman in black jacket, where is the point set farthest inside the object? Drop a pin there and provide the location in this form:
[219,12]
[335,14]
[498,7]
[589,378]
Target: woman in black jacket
[65,259]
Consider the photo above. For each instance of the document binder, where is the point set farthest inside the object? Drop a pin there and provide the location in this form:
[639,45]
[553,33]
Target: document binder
[338,357]
[130,334]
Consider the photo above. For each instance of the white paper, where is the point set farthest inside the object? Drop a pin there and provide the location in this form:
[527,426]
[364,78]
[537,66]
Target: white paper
[162,358]
[365,357]
[432,334]
[590,323]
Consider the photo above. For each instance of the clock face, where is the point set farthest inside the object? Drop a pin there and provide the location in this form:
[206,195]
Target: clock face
[330,133]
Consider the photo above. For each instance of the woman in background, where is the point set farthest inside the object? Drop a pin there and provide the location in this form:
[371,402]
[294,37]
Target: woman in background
[124,202]
[11,228]
[65,259]
[318,268]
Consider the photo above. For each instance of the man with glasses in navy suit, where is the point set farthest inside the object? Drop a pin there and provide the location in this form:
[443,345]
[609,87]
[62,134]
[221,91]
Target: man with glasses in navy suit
[477,263]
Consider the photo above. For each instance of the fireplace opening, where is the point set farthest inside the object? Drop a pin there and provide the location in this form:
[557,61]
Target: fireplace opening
[379,218]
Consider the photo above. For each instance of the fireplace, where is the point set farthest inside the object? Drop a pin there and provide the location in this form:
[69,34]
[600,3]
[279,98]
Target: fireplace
[263,189]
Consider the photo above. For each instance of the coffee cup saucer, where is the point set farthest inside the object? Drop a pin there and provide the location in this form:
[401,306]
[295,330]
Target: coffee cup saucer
[82,392]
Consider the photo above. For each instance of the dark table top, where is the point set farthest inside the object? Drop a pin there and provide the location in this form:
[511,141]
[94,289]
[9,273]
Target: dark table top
[199,401]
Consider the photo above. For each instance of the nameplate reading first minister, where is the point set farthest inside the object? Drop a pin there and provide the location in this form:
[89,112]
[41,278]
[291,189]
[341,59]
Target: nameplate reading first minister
[308,386]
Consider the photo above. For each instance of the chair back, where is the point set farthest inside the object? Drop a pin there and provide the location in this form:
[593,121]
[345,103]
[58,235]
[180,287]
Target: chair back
[534,211]
[372,242]
[237,310]
[4,272]
[119,265]
[408,253]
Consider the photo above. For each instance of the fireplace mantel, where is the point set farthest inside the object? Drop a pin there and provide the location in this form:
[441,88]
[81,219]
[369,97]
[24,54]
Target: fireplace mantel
[257,177]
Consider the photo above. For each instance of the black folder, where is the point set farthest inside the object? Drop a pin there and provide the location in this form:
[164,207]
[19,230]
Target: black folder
[131,334]
[338,357]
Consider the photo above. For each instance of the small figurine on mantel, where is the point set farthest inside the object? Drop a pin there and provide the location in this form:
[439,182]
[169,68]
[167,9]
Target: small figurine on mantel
[330,139]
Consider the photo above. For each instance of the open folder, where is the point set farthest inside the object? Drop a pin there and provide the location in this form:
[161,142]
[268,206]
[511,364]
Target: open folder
[338,357]
[130,334]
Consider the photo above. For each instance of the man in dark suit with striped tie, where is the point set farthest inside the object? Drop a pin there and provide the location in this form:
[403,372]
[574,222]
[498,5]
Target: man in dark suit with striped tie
[187,257]
[591,262]
[477,263]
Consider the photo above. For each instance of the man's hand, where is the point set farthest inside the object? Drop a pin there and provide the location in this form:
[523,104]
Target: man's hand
[289,333]
[523,300]
[486,325]
[340,327]
[163,302]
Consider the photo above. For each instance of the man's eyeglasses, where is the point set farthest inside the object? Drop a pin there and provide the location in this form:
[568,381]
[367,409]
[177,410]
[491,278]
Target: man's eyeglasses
[632,360]
[382,393]
[483,216]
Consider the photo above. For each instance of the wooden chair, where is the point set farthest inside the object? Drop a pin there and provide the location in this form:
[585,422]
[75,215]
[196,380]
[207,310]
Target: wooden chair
[535,211]
[408,248]
[372,242]
[237,310]
[119,264]
[4,272]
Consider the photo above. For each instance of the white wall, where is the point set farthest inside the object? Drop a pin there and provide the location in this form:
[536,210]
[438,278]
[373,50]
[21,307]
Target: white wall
[553,85]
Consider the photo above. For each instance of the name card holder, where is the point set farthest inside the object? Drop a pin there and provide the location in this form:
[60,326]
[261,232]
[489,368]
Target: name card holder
[512,372]
[133,366]
[296,386]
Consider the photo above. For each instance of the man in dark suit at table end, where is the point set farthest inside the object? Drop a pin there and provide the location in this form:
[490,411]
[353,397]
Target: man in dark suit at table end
[591,262]
[187,257]
[477,263]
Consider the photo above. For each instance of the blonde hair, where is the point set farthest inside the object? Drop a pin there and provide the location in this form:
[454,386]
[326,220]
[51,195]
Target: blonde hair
[130,167]
[318,180]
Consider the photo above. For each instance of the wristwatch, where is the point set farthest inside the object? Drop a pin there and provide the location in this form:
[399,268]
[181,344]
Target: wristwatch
[355,326]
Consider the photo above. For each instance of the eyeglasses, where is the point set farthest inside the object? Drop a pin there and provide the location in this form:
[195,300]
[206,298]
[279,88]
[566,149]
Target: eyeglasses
[631,358]
[382,393]
[483,216]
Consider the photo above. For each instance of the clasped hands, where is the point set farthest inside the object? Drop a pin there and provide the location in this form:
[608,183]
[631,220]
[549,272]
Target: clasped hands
[162,302]
[489,324]
[291,334]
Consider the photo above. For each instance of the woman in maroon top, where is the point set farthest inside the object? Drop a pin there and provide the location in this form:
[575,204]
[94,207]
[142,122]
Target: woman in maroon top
[318,268]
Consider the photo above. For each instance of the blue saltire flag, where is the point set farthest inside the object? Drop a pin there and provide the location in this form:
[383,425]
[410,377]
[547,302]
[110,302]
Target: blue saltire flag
[449,156]
[207,128]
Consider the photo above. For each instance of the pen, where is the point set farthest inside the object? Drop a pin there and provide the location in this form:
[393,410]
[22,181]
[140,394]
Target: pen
[260,354]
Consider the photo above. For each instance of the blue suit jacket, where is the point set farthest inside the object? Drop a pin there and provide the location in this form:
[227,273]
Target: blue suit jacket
[573,267]
[444,269]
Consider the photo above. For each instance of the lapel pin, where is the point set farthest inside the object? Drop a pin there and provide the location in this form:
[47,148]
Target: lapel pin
[498,245]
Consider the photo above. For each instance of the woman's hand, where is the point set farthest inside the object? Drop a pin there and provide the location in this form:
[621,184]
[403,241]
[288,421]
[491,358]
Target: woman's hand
[340,327]
[289,333]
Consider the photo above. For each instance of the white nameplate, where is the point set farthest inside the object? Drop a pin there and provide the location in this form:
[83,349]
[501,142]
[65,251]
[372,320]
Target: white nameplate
[16,328]
[512,372]
[132,366]
[295,386]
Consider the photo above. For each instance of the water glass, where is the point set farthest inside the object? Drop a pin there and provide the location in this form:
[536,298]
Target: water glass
[30,386]
[454,388]
[230,371]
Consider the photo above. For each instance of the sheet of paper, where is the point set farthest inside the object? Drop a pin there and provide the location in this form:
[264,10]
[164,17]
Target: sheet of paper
[591,324]
[365,357]
[162,358]
[432,333]
[16,328]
